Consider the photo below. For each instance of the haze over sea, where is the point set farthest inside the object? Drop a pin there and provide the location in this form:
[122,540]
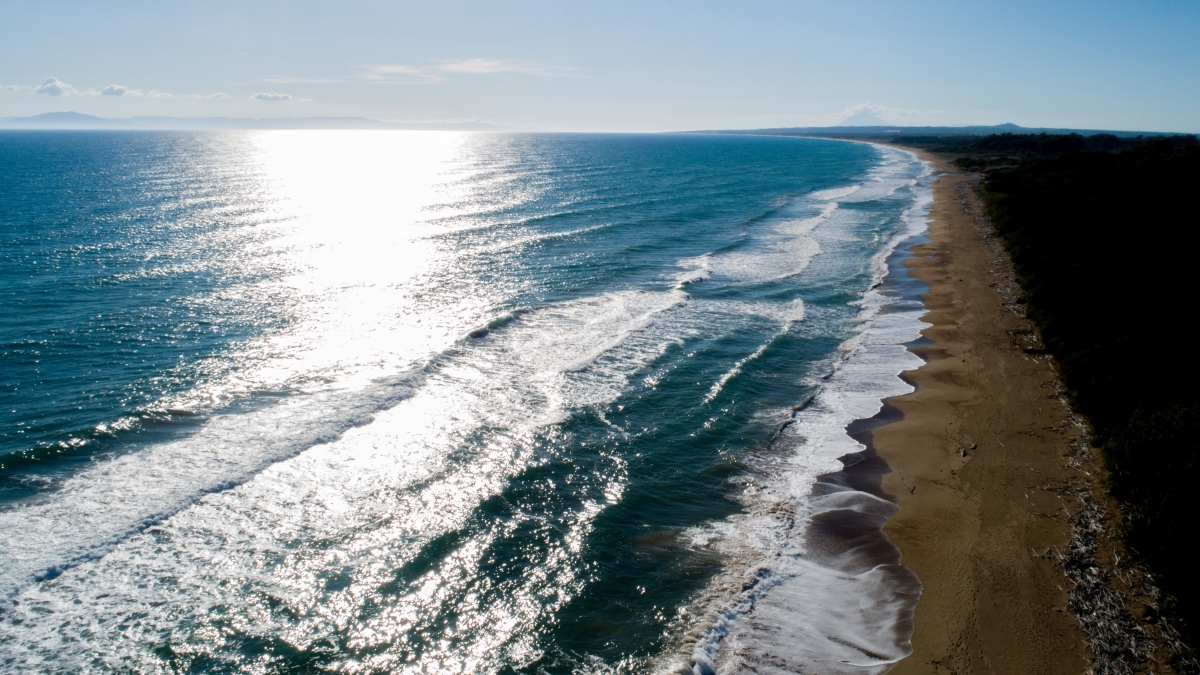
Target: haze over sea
[418,402]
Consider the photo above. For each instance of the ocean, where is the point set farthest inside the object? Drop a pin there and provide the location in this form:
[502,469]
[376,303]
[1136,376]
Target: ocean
[439,402]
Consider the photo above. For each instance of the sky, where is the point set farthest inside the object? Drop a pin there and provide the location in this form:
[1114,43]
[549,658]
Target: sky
[612,66]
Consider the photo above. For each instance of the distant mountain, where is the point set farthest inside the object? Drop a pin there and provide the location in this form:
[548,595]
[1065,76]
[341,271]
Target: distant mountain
[56,120]
[74,120]
[863,118]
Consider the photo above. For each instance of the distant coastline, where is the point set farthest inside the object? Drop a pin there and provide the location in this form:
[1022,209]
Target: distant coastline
[887,133]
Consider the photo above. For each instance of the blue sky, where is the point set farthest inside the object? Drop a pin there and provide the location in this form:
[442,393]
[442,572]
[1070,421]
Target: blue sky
[612,66]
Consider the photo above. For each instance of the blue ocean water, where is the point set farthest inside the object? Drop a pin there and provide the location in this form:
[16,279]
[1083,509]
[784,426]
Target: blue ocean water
[440,402]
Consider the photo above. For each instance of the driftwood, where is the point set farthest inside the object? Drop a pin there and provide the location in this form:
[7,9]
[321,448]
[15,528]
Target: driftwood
[1118,643]
[1102,597]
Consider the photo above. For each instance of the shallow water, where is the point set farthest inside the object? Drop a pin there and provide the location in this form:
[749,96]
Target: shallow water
[440,402]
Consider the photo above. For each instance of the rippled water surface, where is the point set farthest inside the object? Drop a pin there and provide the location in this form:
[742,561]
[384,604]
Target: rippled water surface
[277,402]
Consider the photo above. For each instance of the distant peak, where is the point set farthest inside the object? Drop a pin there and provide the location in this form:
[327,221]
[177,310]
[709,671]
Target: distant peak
[863,118]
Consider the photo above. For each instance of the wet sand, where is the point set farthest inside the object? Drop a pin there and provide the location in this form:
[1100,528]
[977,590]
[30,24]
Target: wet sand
[980,441]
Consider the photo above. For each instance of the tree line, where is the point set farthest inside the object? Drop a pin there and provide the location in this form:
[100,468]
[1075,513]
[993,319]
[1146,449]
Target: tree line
[1000,150]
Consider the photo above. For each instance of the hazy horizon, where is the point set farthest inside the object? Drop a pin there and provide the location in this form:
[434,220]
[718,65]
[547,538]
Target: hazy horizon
[72,120]
[623,67]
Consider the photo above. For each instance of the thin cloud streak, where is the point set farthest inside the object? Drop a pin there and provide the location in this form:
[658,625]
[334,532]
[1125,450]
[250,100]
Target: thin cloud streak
[437,74]
[120,90]
[401,74]
[490,66]
[301,80]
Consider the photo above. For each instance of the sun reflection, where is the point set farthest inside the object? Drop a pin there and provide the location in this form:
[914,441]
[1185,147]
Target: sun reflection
[358,205]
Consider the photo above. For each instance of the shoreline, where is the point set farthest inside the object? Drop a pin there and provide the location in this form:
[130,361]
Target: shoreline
[977,447]
[974,499]
[832,597]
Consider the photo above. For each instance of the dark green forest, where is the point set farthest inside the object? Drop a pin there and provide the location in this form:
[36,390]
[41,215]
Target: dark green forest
[1104,244]
[1000,150]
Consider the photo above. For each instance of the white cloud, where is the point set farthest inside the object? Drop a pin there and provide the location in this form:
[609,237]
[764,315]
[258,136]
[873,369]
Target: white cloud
[271,96]
[401,73]
[119,90]
[482,67]
[52,86]
[394,70]
[300,80]
[406,74]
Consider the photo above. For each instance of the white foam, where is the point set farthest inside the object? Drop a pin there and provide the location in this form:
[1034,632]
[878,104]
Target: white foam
[884,179]
[784,608]
[786,314]
[836,193]
[785,251]
[695,270]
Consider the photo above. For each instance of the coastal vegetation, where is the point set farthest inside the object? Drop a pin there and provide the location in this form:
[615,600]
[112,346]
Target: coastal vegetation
[1103,243]
[1005,150]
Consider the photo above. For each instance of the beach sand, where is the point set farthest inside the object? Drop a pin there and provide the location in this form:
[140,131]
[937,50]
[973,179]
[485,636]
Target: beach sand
[982,438]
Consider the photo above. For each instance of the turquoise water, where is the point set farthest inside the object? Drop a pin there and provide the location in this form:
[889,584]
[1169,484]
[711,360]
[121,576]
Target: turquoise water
[435,402]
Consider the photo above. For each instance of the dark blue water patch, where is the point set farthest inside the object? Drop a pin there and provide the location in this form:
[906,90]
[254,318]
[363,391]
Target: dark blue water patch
[89,337]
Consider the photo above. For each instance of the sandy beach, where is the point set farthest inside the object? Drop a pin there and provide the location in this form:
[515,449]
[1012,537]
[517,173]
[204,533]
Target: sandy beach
[982,438]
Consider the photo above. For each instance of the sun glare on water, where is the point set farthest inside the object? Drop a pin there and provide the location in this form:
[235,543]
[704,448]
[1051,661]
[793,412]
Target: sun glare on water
[359,212]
